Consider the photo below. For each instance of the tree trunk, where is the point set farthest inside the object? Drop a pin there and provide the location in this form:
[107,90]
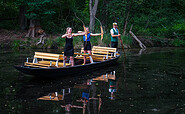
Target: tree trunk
[104,14]
[33,28]
[92,9]
[22,17]
[126,21]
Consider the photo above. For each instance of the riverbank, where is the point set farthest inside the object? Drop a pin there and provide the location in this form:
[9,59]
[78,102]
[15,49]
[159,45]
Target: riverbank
[17,40]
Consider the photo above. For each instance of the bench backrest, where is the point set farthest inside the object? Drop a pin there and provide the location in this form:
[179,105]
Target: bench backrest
[100,51]
[48,56]
[104,49]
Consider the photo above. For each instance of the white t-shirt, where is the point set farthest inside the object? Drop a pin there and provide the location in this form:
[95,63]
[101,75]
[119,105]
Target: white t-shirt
[112,32]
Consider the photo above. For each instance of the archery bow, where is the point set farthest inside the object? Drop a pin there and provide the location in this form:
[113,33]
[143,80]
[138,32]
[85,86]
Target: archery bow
[83,27]
[101,27]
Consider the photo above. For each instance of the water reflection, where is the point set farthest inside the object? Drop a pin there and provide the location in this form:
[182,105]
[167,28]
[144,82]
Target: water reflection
[150,83]
[83,95]
[141,51]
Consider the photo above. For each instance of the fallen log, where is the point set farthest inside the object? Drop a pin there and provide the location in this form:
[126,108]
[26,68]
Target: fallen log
[140,43]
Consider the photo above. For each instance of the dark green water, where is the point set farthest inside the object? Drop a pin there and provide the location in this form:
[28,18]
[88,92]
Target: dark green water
[150,81]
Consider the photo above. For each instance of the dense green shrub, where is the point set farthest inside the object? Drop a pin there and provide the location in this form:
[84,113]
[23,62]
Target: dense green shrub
[16,44]
[60,42]
[178,43]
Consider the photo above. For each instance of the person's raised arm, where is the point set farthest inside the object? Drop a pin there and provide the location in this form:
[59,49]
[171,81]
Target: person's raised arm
[97,34]
[65,35]
[78,34]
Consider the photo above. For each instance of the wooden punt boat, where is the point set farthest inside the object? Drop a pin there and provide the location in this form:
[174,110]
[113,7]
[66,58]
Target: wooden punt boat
[50,65]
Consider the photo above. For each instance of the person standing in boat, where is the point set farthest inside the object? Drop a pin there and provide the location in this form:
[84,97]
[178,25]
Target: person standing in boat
[87,43]
[69,50]
[114,35]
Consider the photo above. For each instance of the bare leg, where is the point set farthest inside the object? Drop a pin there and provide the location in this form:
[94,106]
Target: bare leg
[85,51]
[89,52]
[72,60]
[65,57]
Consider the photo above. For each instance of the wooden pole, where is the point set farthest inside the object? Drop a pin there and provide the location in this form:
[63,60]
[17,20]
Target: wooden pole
[121,43]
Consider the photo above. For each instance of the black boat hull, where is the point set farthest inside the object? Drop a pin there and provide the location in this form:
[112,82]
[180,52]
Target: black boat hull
[65,71]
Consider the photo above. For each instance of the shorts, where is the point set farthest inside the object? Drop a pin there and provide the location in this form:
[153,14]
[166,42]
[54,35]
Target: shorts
[114,44]
[87,45]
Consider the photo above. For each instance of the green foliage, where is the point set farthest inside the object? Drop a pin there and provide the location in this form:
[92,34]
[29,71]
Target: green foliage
[49,42]
[38,8]
[149,18]
[50,27]
[8,15]
[9,24]
[16,44]
[60,42]
[127,40]
[179,28]
[159,18]
[78,42]
[106,39]
[95,39]
[8,9]
[178,43]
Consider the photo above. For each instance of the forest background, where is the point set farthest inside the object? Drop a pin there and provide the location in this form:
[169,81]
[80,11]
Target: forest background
[154,22]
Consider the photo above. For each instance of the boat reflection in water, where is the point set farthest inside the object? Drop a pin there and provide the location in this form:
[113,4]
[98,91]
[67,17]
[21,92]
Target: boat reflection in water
[111,79]
[83,95]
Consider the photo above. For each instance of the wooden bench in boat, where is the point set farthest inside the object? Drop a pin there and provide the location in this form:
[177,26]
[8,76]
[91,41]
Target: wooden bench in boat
[110,52]
[100,53]
[94,57]
[47,60]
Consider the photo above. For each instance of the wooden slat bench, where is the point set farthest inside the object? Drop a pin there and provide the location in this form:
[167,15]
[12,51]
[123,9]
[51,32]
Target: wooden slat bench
[100,53]
[97,50]
[47,60]
[94,57]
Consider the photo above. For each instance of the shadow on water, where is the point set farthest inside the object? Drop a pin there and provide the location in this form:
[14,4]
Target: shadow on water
[149,81]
